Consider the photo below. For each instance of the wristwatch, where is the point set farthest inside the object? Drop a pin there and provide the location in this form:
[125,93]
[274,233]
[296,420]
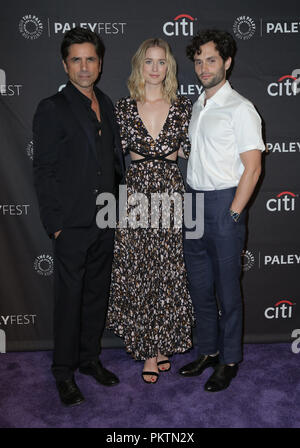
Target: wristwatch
[235,215]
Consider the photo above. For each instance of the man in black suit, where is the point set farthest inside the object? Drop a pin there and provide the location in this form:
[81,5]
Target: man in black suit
[78,155]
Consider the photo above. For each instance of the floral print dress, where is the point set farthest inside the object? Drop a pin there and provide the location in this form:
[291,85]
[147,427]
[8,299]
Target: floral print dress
[150,306]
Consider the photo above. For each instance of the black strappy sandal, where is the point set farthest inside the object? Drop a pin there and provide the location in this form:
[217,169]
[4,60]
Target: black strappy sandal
[150,373]
[167,361]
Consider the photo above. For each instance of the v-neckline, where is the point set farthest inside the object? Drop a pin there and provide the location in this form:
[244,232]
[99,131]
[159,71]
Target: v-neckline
[143,124]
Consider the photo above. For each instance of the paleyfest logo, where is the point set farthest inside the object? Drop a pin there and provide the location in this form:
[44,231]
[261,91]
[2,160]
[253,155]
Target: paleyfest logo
[97,27]
[286,85]
[287,27]
[182,25]
[8,89]
[14,209]
[283,147]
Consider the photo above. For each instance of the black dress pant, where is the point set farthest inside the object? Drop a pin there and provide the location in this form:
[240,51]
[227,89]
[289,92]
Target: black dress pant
[82,272]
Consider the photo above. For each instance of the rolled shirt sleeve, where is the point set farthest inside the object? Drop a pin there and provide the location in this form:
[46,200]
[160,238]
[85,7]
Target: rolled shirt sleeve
[247,128]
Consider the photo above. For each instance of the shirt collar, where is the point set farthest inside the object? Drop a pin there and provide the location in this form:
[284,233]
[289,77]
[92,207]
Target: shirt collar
[80,94]
[219,97]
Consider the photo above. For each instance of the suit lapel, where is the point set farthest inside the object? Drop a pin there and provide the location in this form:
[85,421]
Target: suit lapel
[108,110]
[79,112]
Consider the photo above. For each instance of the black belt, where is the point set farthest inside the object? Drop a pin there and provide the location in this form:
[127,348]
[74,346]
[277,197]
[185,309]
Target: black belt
[147,157]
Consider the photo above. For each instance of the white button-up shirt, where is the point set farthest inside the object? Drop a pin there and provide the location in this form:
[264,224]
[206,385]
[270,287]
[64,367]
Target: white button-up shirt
[220,131]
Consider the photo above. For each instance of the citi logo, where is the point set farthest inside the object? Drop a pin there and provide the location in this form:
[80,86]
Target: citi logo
[285,86]
[284,201]
[281,310]
[182,25]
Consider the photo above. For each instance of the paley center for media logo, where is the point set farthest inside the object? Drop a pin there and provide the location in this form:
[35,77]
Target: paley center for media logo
[31,27]
[43,265]
[283,202]
[181,25]
[283,309]
[244,27]
[286,85]
[248,260]
[268,260]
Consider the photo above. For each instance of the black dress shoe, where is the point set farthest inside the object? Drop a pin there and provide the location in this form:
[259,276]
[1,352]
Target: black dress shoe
[221,378]
[69,392]
[102,375]
[197,367]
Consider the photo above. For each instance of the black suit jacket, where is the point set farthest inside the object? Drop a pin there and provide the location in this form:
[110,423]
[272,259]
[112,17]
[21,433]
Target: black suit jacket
[65,163]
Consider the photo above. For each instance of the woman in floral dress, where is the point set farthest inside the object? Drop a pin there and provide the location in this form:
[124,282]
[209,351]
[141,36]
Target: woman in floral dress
[150,307]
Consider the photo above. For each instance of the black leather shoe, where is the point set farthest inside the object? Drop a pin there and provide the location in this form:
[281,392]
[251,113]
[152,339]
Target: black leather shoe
[221,378]
[102,375]
[197,367]
[69,392]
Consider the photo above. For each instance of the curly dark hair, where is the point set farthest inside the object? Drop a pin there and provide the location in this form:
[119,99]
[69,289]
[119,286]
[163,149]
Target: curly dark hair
[225,43]
[79,35]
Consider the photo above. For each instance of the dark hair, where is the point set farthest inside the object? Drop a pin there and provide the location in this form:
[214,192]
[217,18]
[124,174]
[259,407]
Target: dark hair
[225,43]
[80,36]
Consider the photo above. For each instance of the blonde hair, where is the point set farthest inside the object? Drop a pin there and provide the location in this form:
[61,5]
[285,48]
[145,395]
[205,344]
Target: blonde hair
[136,83]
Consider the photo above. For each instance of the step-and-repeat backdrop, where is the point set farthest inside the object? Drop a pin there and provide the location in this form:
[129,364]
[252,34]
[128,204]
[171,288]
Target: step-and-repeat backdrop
[267,71]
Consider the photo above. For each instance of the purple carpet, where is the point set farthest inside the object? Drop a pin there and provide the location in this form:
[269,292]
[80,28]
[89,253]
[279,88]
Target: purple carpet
[265,394]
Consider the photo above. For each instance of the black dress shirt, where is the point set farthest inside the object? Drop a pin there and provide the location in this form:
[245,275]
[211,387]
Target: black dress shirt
[104,138]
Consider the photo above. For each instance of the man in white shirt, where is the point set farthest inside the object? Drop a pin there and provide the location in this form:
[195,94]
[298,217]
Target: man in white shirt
[224,165]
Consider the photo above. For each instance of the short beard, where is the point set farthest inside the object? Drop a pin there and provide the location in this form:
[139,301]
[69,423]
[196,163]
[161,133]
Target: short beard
[215,80]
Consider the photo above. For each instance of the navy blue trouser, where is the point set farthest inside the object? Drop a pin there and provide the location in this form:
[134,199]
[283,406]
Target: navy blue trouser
[213,264]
